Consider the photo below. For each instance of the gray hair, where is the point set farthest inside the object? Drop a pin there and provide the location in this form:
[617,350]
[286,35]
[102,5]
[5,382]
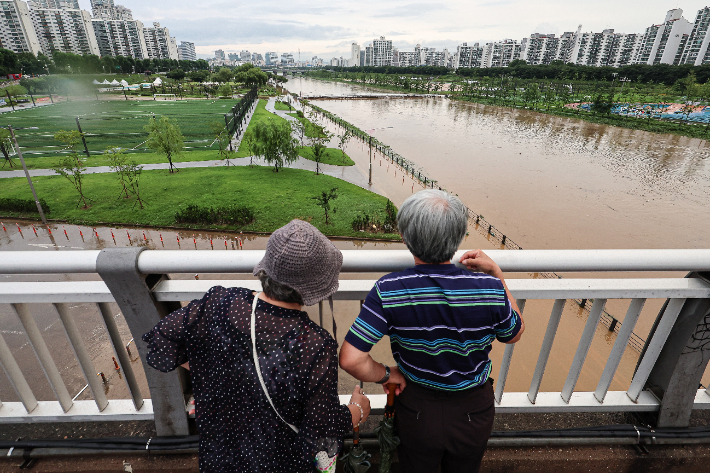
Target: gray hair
[278,291]
[433,225]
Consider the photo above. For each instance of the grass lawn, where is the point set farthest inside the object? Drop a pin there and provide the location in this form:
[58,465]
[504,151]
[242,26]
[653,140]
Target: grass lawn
[97,159]
[275,198]
[331,156]
[279,105]
[111,124]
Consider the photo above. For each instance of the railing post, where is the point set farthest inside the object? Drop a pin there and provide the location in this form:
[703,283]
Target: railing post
[675,377]
[118,267]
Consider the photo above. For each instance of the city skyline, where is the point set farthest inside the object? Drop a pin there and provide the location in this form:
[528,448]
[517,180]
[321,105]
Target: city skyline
[328,30]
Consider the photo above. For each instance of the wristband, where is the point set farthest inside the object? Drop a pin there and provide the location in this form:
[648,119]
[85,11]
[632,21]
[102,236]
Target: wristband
[362,413]
[387,375]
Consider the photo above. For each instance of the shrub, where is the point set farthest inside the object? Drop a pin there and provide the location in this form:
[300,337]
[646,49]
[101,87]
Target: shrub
[372,224]
[228,215]
[22,205]
[300,113]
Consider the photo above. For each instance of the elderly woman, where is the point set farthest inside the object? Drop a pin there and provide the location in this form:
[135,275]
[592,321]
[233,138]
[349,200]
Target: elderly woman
[264,375]
[441,321]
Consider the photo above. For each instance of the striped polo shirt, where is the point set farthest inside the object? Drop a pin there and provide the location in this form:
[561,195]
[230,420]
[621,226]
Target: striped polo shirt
[441,321]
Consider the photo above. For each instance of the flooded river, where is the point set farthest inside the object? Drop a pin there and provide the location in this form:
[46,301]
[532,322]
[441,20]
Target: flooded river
[546,182]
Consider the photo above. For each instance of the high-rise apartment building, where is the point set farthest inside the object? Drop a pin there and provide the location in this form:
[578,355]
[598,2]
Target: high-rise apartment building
[245,56]
[369,61]
[540,48]
[696,48]
[500,53]
[186,51]
[120,38]
[219,55]
[382,52]
[117,33]
[354,55]
[60,26]
[158,42]
[566,45]
[17,33]
[407,58]
[664,43]
[468,56]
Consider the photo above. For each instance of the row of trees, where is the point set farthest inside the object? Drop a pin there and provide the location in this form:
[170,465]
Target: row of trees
[557,70]
[641,73]
[69,63]
[419,84]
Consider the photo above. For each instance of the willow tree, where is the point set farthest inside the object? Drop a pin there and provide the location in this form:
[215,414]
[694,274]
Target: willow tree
[274,143]
[164,137]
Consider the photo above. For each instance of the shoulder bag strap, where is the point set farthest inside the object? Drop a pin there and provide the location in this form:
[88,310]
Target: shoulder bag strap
[256,362]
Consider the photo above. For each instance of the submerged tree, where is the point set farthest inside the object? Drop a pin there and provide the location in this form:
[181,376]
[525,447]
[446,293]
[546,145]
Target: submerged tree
[164,137]
[323,201]
[318,154]
[273,142]
[343,141]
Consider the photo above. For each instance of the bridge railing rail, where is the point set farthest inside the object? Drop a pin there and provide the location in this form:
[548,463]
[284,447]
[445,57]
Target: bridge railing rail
[665,382]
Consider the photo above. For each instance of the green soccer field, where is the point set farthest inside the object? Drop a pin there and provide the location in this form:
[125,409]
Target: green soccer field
[113,124]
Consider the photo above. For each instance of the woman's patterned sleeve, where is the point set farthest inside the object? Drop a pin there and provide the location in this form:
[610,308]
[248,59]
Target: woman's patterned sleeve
[325,420]
[167,340]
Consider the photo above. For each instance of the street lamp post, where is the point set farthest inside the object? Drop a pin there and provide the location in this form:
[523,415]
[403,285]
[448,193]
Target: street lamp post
[27,174]
[370,181]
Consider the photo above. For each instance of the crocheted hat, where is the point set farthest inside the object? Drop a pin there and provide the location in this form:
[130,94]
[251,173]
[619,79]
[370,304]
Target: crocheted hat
[302,258]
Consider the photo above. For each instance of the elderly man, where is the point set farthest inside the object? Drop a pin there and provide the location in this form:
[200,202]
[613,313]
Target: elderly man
[441,321]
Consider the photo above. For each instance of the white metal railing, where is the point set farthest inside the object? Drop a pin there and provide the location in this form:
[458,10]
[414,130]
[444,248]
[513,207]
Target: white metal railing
[165,293]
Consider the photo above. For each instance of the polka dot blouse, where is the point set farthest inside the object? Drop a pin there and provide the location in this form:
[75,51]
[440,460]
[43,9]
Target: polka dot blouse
[239,431]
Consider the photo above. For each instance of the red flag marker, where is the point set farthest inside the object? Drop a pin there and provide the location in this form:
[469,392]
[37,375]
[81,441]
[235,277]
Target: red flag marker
[129,236]
[49,230]
[80,233]
[225,244]
[18,227]
[35,230]
[144,238]
[96,233]
[161,237]
[3,226]
[65,232]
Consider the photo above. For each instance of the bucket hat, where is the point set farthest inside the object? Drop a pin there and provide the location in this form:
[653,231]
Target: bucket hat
[302,258]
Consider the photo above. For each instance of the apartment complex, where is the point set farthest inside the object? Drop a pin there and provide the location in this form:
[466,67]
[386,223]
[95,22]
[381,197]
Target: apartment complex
[48,26]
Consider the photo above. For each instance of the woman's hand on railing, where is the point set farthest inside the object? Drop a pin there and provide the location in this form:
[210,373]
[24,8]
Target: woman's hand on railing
[359,406]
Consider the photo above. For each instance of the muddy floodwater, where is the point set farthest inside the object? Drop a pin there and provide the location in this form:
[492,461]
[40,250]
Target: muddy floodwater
[545,182]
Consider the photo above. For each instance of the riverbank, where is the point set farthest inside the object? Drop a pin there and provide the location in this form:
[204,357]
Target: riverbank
[275,198]
[674,127]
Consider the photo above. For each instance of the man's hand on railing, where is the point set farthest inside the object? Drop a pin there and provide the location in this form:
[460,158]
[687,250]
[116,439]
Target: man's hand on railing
[477,260]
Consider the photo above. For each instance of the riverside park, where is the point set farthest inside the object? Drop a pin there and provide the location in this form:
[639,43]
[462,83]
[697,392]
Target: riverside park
[598,219]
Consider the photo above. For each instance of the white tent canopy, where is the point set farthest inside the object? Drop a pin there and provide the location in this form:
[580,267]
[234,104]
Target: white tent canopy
[106,82]
[96,82]
[157,81]
[115,82]
[124,83]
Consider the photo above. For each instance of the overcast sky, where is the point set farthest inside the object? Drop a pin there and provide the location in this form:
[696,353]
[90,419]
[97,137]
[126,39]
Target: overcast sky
[327,28]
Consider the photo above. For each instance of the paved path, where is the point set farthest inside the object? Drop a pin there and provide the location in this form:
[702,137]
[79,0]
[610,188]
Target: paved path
[347,173]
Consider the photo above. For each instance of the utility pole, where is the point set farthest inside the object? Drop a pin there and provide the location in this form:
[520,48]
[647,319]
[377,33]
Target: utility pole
[370,183]
[27,173]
